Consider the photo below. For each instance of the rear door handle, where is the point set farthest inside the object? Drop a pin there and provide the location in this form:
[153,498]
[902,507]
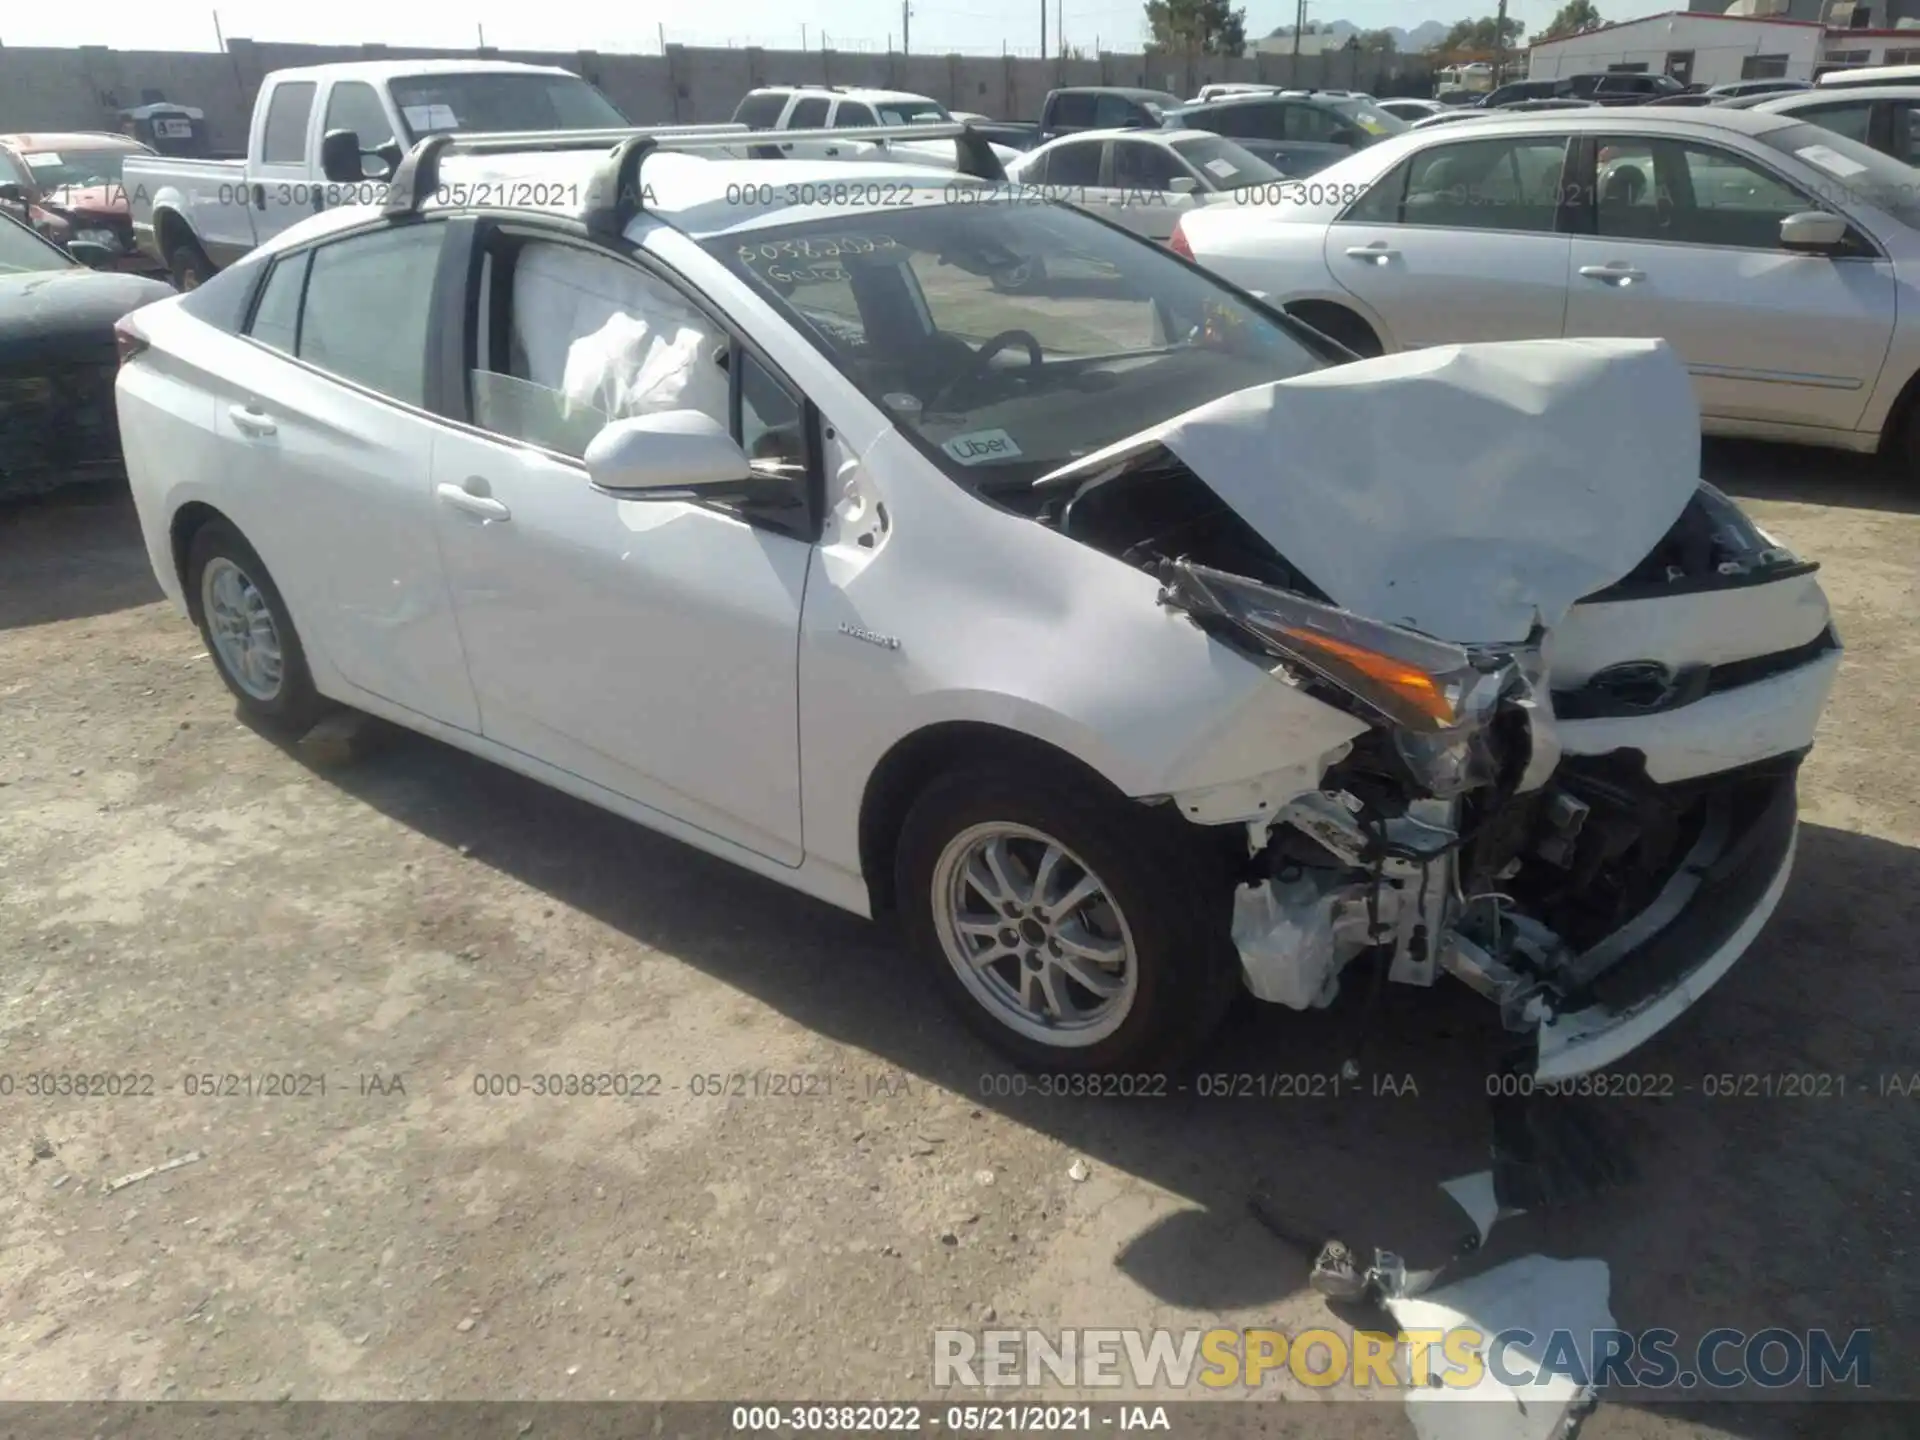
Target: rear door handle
[483,506]
[250,420]
[1380,254]
[1615,271]
[833,150]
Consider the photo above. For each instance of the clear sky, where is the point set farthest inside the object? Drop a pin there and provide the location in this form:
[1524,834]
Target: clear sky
[970,25]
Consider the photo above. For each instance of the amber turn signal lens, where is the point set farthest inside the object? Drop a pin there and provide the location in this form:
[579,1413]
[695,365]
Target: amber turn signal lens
[1411,685]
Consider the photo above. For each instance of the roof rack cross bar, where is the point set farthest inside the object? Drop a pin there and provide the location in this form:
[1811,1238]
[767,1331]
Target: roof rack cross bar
[615,195]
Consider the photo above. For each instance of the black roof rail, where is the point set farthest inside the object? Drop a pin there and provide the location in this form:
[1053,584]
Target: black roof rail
[614,196]
[417,177]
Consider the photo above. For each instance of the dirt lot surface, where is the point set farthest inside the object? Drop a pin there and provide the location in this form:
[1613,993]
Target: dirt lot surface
[179,898]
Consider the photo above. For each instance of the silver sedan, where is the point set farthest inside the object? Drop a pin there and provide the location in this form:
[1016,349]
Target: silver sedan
[1777,257]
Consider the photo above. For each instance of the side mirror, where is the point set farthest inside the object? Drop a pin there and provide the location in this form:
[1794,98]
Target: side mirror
[340,158]
[670,455]
[12,194]
[1183,185]
[90,253]
[1814,231]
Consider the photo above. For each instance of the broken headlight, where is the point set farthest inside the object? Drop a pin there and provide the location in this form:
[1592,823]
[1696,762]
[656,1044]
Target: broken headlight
[1435,698]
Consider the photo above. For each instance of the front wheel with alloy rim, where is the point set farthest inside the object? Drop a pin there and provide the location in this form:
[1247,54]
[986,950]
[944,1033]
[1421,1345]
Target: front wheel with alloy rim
[248,632]
[1075,931]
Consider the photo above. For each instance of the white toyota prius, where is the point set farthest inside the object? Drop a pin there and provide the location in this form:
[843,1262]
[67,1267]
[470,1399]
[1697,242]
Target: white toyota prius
[1131,643]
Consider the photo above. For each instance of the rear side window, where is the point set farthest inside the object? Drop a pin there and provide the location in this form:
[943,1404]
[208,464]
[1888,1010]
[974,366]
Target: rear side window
[1073,110]
[276,319]
[852,116]
[285,142]
[760,112]
[367,307]
[809,114]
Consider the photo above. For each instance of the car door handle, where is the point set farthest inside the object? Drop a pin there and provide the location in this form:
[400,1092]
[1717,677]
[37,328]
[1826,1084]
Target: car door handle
[260,197]
[833,150]
[484,506]
[1379,254]
[250,421]
[1622,273]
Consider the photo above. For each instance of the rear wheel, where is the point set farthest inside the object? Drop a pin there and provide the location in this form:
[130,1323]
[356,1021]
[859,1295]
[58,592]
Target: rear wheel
[1074,931]
[249,633]
[187,263]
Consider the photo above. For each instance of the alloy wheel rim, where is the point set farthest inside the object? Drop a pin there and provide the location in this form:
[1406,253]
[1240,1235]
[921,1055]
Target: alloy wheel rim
[242,630]
[1034,935]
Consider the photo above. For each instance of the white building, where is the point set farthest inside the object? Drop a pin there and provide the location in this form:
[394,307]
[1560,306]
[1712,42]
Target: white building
[1694,47]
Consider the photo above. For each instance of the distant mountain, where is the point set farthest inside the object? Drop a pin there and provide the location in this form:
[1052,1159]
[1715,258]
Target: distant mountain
[1422,37]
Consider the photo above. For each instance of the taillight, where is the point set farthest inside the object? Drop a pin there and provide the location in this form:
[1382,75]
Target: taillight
[1178,244]
[127,340]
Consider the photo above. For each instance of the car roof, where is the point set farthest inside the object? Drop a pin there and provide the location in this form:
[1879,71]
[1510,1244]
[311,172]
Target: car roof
[70,140]
[1791,100]
[1272,97]
[1126,132]
[696,194]
[375,71]
[843,92]
[1132,92]
[1636,117]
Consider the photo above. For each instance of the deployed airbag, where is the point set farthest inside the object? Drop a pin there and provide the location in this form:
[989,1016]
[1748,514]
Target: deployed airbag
[1463,490]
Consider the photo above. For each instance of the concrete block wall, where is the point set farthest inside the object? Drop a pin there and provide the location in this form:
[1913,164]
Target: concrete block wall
[79,89]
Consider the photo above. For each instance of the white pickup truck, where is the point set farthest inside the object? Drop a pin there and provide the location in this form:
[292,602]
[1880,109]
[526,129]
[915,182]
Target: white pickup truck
[196,216]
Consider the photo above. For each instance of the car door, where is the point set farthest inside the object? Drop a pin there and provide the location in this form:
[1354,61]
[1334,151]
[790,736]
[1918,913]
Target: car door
[330,441]
[648,647]
[1140,184]
[855,115]
[1685,245]
[282,182]
[809,112]
[1458,242]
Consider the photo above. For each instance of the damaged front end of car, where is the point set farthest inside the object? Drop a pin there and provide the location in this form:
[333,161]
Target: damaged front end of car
[1588,824]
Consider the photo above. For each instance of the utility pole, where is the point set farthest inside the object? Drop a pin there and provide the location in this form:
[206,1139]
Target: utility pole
[1043,29]
[1060,28]
[906,27]
[219,39]
[1299,24]
[1500,47]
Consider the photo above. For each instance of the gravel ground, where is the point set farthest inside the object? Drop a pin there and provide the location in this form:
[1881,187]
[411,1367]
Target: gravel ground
[179,898]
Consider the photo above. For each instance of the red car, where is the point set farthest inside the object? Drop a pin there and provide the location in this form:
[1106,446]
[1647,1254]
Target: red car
[66,185]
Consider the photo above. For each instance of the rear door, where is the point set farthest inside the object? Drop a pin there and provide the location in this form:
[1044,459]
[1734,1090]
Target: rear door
[1685,245]
[1458,242]
[330,441]
[280,172]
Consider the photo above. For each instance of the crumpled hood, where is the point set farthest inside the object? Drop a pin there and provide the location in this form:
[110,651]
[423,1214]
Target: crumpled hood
[86,200]
[1462,490]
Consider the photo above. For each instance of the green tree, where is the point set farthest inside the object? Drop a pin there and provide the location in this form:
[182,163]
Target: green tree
[1482,34]
[1202,27]
[1378,42]
[1571,19]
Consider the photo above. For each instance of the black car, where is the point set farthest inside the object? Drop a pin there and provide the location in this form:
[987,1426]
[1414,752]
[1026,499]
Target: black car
[1296,132]
[57,363]
[1515,91]
[1622,87]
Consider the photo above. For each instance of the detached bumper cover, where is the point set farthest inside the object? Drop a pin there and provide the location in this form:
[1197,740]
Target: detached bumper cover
[1642,978]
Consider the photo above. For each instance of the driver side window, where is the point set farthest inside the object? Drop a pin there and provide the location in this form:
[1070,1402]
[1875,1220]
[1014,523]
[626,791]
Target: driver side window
[570,339]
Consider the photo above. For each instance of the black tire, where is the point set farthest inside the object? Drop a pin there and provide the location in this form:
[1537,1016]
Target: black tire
[1176,902]
[295,706]
[188,266]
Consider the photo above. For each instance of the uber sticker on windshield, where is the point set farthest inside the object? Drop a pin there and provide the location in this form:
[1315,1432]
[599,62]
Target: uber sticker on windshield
[1829,160]
[982,447]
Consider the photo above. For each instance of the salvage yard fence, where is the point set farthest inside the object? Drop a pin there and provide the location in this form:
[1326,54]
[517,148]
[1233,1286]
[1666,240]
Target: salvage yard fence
[82,88]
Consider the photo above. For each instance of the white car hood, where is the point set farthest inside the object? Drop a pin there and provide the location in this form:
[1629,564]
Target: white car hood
[1467,491]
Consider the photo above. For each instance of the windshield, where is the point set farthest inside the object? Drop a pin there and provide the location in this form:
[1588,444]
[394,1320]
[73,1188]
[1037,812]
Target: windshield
[1851,173]
[21,251]
[1370,117]
[1008,338]
[57,169]
[911,112]
[1231,166]
[503,101]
